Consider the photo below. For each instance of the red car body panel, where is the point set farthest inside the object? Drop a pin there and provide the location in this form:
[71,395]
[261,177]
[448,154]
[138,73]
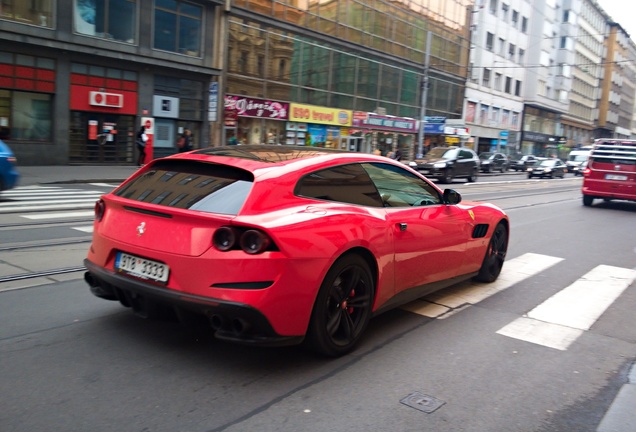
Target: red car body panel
[310,235]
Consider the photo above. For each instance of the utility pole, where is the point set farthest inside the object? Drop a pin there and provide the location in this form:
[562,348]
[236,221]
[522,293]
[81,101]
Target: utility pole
[424,93]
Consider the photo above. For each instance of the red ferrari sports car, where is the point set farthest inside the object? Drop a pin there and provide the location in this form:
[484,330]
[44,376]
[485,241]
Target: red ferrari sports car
[275,245]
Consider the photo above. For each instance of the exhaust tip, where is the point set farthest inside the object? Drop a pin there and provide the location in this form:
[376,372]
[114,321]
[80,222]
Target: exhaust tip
[217,321]
[239,326]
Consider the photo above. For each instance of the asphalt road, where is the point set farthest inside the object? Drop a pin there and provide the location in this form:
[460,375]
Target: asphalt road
[72,362]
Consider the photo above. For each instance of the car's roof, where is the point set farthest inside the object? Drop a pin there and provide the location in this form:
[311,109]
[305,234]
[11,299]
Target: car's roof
[267,153]
[260,159]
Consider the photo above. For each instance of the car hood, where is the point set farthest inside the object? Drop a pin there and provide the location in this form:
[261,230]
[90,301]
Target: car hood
[430,160]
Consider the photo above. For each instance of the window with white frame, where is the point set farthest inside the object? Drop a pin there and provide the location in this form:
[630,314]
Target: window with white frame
[485,81]
[490,41]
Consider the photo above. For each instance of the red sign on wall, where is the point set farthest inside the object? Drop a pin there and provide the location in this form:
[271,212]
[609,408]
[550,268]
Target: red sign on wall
[85,98]
[104,99]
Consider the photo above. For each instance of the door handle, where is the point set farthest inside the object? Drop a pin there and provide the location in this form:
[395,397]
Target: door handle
[402,226]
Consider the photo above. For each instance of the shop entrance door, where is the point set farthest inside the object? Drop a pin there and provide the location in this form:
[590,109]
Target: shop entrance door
[99,138]
[352,143]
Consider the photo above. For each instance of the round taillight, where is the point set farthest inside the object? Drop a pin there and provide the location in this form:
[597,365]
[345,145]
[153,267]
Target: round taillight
[254,242]
[100,208]
[224,239]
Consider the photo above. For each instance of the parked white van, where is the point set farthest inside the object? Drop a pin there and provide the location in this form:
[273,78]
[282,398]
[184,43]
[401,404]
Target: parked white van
[577,157]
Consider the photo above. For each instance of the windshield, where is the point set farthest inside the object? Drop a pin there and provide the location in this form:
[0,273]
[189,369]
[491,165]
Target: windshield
[484,156]
[548,163]
[578,158]
[442,152]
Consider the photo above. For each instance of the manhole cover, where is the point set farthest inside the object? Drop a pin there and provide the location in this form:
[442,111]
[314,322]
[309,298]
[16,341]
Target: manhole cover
[422,402]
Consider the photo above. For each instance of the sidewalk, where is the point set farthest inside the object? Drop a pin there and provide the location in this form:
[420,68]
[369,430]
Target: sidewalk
[51,174]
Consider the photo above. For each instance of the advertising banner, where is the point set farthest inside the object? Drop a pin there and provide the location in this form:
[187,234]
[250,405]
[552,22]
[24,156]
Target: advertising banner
[257,108]
[319,115]
[386,123]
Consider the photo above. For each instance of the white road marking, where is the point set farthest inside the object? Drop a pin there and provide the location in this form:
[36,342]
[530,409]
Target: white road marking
[87,229]
[51,205]
[561,319]
[104,185]
[514,271]
[58,215]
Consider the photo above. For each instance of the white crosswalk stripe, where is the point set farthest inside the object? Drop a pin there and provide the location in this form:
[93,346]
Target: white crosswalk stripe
[557,322]
[47,198]
[444,303]
[561,319]
[43,203]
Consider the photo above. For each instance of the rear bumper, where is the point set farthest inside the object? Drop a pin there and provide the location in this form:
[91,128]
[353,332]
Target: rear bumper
[609,189]
[230,321]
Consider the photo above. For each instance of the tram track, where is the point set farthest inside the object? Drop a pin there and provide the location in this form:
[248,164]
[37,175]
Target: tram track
[41,273]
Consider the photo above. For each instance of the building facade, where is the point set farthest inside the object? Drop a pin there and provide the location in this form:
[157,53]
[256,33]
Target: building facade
[344,73]
[616,104]
[494,101]
[591,28]
[79,77]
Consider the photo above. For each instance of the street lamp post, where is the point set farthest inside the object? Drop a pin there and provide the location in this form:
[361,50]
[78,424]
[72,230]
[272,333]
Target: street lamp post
[424,94]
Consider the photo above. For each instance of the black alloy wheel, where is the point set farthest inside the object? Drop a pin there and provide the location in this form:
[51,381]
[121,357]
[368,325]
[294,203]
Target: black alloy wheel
[495,255]
[343,307]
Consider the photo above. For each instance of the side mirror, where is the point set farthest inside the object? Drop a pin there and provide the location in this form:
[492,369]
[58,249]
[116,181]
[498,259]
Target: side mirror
[452,196]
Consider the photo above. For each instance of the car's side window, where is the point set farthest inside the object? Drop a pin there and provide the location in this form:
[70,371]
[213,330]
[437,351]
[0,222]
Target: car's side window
[345,183]
[399,187]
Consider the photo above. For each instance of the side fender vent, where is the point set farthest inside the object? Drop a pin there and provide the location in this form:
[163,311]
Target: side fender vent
[480,231]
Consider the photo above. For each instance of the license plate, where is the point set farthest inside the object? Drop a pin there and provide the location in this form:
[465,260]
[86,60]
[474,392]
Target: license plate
[615,177]
[141,267]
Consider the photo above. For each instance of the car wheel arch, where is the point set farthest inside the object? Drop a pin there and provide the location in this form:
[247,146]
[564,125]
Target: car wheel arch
[319,337]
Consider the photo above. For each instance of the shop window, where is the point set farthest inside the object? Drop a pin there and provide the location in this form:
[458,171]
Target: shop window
[108,19]
[25,116]
[28,12]
[178,27]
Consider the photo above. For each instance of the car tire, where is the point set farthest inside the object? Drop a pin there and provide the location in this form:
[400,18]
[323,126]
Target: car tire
[473,176]
[529,176]
[448,176]
[587,200]
[503,169]
[343,307]
[495,255]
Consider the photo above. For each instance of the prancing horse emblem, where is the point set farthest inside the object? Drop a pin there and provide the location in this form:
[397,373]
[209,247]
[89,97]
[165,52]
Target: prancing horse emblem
[141,229]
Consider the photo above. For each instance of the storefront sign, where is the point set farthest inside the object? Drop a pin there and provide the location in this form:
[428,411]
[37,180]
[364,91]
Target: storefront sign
[389,123]
[85,99]
[213,101]
[319,115]
[104,99]
[259,108]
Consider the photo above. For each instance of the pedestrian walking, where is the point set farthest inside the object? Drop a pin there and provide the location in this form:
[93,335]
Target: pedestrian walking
[140,142]
[185,142]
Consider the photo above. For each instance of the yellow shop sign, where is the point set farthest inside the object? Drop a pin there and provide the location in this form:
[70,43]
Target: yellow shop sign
[319,115]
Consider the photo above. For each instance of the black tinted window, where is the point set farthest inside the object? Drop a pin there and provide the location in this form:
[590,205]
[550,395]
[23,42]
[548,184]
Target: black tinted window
[210,188]
[345,183]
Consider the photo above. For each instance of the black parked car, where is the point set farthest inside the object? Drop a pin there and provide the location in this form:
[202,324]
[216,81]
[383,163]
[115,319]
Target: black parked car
[548,168]
[490,162]
[524,162]
[448,163]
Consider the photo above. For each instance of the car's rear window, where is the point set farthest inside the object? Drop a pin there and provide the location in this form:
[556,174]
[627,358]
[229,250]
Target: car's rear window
[614,153]
[193,185]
